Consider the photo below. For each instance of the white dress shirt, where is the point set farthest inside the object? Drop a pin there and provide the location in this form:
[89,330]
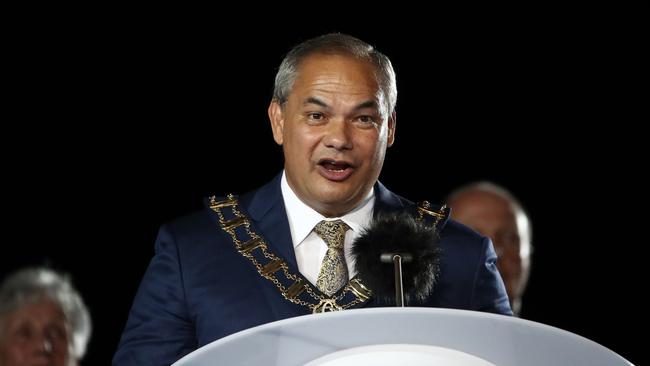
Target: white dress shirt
[310,249]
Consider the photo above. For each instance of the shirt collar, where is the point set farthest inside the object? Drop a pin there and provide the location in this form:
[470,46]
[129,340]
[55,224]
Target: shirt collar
[303,218]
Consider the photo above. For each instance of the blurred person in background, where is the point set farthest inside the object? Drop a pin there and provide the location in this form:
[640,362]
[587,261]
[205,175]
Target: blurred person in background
[43,320]
[493,211]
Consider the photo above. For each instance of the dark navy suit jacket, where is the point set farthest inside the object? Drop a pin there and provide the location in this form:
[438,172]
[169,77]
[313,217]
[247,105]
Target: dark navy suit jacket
[198,288]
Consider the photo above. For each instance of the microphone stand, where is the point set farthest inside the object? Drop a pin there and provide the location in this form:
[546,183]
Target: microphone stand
[397,259]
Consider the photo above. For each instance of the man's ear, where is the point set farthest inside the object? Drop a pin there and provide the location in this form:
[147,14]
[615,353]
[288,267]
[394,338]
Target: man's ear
[392,121]
[277,121]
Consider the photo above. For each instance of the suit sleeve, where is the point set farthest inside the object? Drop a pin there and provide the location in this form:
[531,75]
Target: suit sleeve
[489,293]
[159,330]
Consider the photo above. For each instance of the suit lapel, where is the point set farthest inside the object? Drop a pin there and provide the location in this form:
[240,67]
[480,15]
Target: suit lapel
[265,207]
[386,201]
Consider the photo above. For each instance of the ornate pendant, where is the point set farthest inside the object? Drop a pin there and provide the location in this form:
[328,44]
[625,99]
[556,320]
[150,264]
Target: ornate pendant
[326,305]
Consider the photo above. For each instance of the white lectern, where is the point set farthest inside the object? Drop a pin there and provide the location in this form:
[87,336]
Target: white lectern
[403,336]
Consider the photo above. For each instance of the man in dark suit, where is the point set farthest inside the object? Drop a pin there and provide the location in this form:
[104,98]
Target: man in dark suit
[283,250]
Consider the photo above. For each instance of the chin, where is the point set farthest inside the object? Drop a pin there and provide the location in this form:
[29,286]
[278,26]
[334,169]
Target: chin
[342,200]
[329,197]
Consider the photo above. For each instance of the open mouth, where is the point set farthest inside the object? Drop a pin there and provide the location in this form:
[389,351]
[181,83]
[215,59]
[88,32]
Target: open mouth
[333,165]
[335,170]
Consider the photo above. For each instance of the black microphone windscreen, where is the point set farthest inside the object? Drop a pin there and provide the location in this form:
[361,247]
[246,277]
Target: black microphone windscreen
[397,233]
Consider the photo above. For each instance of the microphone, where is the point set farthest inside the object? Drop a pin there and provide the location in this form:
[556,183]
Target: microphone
[397,259]
[397,238]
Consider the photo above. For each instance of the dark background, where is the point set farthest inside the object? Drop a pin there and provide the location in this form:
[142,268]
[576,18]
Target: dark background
[116,124]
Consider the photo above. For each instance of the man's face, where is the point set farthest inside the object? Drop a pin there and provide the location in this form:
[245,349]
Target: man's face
[492,216]
[334,129]
[34,335]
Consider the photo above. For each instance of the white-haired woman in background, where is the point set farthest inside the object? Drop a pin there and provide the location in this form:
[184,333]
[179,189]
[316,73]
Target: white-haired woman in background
[43,320]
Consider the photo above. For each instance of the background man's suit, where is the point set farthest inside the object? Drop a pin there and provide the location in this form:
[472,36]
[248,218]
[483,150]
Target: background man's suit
[199,288]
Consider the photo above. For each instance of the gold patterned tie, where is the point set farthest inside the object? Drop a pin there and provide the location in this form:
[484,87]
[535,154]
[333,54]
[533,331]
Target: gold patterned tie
[334,272]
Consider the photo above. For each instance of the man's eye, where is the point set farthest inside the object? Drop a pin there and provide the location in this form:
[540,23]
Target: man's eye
[315,116]
[366,119]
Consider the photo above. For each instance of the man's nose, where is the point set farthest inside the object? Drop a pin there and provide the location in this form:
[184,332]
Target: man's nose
[338,135]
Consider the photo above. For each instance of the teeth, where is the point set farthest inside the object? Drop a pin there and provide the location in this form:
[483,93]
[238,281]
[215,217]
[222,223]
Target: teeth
[334,167]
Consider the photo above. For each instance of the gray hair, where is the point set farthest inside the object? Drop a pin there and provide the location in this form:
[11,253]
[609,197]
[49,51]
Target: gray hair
[32,285]
[336,44]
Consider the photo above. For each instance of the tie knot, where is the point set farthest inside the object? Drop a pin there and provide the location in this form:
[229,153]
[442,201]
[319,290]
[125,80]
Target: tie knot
[332,232]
